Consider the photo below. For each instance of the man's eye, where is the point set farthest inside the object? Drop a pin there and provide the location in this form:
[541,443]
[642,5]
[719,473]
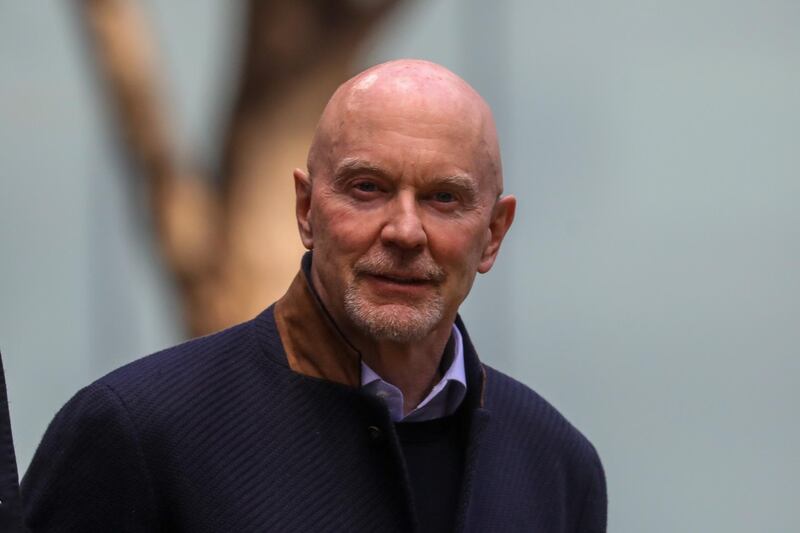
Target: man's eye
[366,186]
[444,197]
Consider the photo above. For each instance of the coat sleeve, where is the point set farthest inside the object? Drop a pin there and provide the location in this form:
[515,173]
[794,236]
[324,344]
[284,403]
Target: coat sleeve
[89,472]
[595,505]
[10,513]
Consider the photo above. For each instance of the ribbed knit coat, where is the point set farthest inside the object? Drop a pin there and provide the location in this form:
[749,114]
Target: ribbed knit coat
[262,427]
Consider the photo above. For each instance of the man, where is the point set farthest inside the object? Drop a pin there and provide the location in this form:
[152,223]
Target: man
[357,401]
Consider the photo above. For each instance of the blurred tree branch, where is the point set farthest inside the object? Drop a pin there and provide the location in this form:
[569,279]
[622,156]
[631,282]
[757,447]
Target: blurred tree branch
[230,242]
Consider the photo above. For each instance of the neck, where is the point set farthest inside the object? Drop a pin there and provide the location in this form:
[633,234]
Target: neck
[411,367]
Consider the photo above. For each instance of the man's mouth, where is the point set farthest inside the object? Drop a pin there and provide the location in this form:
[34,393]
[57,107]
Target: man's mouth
[401,279]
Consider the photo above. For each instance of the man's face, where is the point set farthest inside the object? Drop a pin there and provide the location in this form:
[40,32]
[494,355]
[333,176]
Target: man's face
[400,219]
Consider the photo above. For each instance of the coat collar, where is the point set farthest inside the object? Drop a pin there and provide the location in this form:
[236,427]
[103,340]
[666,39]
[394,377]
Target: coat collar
[314,344]
[316,347]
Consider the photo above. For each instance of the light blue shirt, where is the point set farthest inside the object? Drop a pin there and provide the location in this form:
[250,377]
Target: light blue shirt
[443,400]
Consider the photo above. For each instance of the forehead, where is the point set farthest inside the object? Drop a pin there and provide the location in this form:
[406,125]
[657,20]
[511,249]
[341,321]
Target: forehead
[413,133]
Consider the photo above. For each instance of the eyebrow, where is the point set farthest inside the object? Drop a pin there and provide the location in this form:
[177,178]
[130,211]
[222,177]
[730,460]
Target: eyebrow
[465,183]
[353,165]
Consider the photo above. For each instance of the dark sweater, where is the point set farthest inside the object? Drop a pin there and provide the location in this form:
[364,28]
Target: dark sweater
[219,434]
[434,455]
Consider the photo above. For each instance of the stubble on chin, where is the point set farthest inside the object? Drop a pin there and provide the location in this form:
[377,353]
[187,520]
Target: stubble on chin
[398,322]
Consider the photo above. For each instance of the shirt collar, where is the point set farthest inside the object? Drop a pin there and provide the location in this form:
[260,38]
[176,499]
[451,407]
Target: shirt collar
[443,399]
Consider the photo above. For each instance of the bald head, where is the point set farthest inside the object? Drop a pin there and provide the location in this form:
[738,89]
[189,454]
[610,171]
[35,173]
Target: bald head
[404,93]
[404,208]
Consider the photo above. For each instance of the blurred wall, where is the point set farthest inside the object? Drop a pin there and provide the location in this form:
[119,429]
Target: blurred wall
[648,289]
[81,287]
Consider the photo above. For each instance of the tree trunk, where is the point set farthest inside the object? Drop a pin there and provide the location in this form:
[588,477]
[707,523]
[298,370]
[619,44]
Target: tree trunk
[231,241]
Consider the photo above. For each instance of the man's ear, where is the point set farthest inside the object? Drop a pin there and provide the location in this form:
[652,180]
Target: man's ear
[302,191]
[502,217]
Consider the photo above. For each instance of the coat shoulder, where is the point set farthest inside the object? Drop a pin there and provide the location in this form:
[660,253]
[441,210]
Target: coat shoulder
[200,362]
[525,414]
[243,364]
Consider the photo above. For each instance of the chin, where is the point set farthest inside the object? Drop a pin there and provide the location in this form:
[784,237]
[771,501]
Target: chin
[399,323]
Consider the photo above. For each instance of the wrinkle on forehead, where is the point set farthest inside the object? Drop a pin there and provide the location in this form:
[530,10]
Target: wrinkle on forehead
[407,90]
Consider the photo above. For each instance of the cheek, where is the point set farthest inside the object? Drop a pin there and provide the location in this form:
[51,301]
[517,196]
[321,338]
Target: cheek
[340,230]
[459,257]
[457,246]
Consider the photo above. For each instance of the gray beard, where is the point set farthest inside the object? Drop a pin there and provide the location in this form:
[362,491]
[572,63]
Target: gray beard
[393,322]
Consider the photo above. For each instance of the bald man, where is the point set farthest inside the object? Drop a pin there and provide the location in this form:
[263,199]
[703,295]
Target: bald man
[357,401]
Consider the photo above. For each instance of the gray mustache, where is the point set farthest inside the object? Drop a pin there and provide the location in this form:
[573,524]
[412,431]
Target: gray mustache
[421,269]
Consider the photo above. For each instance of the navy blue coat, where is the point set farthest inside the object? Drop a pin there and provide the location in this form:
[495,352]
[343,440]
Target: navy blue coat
[10,513]
[240,431]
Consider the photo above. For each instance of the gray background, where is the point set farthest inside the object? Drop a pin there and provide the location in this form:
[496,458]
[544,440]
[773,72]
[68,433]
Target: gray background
[649,287]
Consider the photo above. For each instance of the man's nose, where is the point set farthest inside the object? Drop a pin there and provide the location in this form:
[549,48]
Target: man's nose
[404,227]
